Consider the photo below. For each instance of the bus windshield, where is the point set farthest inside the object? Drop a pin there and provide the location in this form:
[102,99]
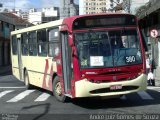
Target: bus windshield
[100,49]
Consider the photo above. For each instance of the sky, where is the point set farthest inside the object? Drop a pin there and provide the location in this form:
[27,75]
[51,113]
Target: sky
[26,4]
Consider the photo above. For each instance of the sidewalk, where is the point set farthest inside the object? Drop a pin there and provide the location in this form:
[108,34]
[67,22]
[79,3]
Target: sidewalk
[5,70]
[157,82]
[157,76]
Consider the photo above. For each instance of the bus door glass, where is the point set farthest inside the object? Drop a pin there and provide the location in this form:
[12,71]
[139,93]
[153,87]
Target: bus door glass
[19,56]
[66,61]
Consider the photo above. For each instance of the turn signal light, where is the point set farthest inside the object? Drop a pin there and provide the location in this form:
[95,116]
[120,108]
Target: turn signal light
[143,71]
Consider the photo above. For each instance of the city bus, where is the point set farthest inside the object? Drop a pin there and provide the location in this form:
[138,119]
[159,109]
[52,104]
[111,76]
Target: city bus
[100,55]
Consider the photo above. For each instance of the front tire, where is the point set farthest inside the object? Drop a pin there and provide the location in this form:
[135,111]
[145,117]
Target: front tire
[57,90]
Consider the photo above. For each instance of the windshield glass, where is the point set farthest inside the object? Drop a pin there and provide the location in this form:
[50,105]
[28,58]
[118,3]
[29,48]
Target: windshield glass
[108,48]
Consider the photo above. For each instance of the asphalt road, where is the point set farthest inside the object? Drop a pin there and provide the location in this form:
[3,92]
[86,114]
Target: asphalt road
[37,104]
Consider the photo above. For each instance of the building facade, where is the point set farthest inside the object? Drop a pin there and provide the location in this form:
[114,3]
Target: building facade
[46,15]
[68,8]
[97,6]
[8,22]
[93,6]
[24,15]
[50,14]
[35,17]
[6,26]
[149,19]
[135,4]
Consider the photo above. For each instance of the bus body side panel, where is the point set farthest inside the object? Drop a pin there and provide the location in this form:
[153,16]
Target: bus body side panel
[15,67]
[40,71]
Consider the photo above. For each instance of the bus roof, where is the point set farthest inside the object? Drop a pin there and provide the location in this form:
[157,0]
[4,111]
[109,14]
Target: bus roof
[66,21]
[37,27]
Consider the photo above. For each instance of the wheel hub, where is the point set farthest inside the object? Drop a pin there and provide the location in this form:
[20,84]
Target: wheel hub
[58,89]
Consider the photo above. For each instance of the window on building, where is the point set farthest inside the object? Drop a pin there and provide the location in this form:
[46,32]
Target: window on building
[32,40]
[53,36]
[42,43]
[1,25]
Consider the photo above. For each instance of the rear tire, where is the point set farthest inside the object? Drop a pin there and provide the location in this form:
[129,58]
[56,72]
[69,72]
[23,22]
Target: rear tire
[26,80]
[57,90]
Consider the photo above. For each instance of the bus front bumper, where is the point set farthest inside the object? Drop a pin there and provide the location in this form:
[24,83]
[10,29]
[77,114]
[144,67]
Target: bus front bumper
[85,88]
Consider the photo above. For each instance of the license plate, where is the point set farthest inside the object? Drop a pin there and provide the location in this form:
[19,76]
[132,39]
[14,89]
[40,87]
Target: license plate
[115,87]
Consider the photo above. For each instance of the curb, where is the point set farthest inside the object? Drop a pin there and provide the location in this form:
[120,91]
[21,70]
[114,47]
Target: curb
[157,82]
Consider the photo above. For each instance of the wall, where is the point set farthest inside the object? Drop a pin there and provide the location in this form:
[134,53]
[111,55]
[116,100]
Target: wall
[149,22]
[5,28]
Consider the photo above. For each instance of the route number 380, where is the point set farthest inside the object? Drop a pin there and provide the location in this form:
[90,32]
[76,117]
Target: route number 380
[130,59]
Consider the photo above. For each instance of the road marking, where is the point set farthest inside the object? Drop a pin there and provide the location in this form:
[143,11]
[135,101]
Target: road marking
[42,97]
[5,92]
[144,95]
[21,96]
[14,87]
[154,88]
[123,97]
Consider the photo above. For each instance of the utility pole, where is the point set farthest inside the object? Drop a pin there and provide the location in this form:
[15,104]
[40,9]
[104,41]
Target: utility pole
[14,5]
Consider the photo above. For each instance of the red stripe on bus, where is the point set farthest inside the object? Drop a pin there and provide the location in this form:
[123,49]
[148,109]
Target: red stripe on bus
[50,80]
[45,74]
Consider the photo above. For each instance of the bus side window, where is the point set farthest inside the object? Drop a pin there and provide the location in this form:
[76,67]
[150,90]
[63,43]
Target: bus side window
[53,36]
[42,43]
[24,48]
[32,44]
[14,45]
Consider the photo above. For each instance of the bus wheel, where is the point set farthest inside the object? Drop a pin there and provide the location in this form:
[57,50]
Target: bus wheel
[26,80]
[57,90]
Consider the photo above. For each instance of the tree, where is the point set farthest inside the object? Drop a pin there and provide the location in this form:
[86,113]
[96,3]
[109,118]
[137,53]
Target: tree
[142,8]
[119,6]
[127,5]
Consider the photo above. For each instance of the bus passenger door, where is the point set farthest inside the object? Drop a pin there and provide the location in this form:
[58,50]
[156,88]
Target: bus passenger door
[66,61]
[19,56]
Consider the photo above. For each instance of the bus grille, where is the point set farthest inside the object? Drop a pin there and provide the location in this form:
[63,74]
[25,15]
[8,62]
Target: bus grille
[107,90]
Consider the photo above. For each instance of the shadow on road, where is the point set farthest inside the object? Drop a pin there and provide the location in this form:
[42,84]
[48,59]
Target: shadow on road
[131,101]
[46,108]
[10,81]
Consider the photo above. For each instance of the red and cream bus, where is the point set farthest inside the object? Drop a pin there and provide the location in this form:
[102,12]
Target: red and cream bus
[81,56]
